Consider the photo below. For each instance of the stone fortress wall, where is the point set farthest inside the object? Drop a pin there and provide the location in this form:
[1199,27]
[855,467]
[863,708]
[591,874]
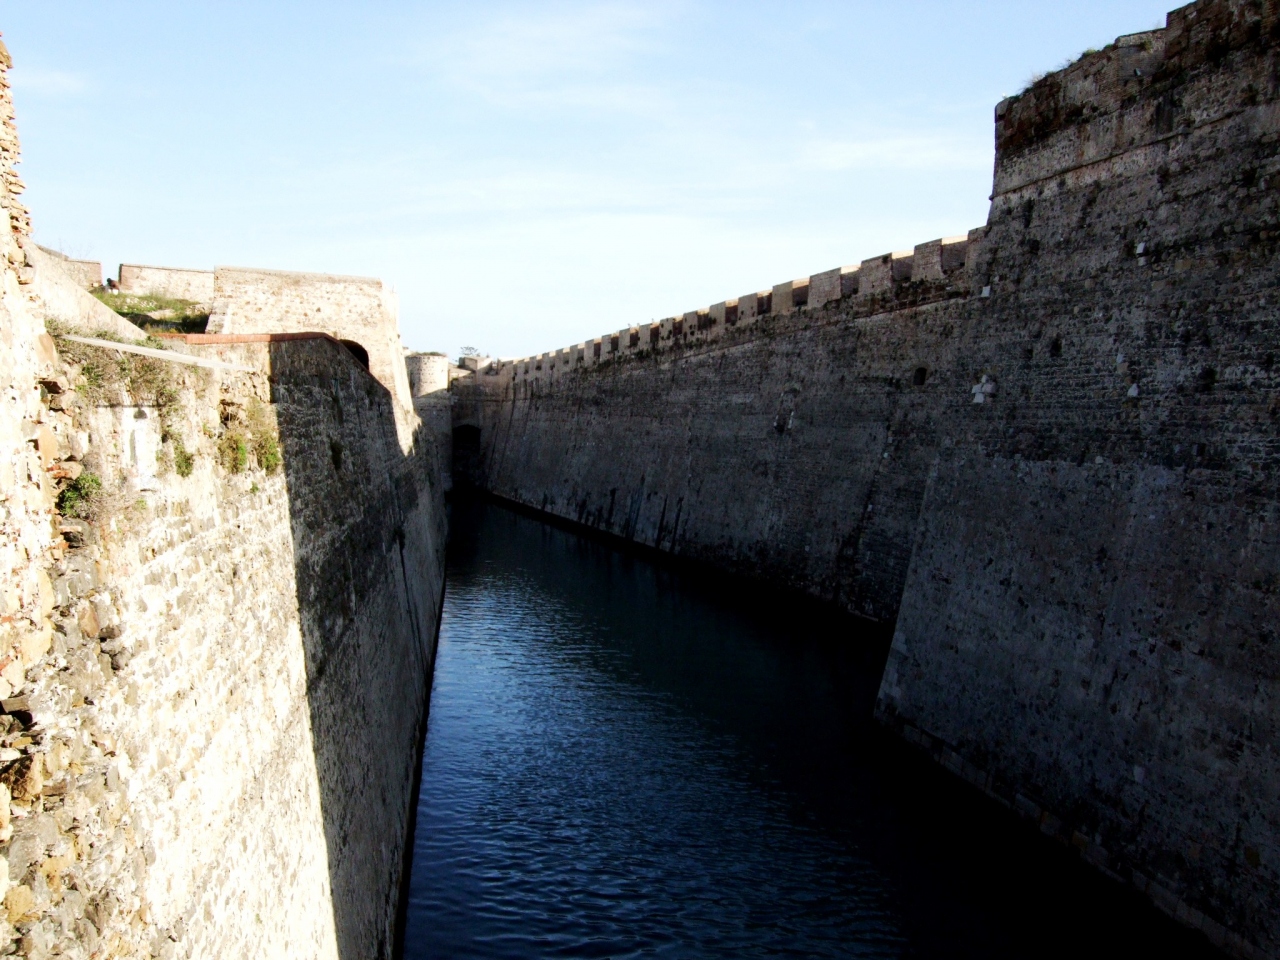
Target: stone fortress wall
[360,311]
[213,680]
[357,309]
[58,296]
[172,282]
[871,281]
[1044,453]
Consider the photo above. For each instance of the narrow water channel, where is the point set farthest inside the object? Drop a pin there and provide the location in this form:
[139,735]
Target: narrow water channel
[624,761]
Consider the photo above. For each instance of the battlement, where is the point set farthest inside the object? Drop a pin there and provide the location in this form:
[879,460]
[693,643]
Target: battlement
[1113,112]
[935,270]
[1114,101]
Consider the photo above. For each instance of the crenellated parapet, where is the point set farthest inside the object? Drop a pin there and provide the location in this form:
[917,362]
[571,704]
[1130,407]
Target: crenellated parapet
[937,270]
[1113,112]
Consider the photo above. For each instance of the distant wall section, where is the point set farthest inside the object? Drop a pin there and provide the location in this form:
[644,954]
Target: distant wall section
[428,372]
[171,282]
[58,297]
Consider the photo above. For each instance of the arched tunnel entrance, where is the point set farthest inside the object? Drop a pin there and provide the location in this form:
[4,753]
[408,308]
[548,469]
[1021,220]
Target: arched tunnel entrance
[359,352]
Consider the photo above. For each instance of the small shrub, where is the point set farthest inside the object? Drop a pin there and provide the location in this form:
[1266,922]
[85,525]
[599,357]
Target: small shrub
[233,452]
[266,450]
[184,460]
[266,443]
[81,497]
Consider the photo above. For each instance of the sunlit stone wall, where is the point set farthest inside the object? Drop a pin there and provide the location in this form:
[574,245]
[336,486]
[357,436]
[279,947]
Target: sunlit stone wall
[221,592]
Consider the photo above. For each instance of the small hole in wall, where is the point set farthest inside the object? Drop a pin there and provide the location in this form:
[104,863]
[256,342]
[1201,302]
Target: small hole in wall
[1055,348]
[335,454]
[920,376]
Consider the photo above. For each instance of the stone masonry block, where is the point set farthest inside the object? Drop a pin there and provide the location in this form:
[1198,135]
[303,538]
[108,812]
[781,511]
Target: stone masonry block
[876,275]
[927,262]
[726,312]
[824,287]
[953,253]
[787,296]
[782,298]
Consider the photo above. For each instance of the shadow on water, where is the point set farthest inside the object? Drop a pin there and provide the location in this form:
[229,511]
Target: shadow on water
[626,760]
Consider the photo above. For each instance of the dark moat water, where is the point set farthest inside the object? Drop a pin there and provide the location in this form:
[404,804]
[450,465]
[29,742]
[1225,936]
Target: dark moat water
[623,761]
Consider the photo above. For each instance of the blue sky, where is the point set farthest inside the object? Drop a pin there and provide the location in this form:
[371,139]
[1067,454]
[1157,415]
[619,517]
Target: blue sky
[526,175]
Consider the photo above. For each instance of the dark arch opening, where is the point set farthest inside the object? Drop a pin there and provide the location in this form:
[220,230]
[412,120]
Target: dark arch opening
[920,376]
[357,351]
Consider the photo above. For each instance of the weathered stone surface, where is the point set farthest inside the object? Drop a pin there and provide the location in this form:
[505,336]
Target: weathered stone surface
[359,310]
[1051,461]
[172,282]
[214,678]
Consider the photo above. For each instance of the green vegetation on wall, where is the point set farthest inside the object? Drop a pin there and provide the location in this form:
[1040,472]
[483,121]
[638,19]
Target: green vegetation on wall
[157,314]
[81,497]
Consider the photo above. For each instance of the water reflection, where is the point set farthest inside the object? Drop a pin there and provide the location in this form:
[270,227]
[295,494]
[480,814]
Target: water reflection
[622,761]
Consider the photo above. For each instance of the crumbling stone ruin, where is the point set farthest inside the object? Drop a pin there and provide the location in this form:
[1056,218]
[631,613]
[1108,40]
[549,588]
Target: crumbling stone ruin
[1044,453]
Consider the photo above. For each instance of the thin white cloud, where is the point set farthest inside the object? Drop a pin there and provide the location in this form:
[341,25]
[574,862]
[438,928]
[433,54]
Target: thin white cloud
[570,56]
[552,44]
[55,83]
